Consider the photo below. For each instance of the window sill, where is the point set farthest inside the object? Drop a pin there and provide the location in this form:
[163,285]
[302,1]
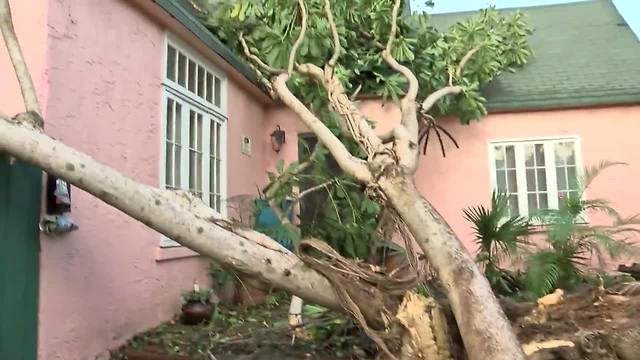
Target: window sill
[174,253]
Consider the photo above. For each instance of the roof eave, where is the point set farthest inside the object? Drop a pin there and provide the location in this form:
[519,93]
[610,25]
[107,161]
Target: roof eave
[564,103]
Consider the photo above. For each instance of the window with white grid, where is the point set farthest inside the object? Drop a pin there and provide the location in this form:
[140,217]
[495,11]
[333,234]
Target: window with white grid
[535,174]
[194,123]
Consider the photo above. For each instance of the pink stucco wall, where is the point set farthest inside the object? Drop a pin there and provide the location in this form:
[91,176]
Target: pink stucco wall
[100,65]
[463,178]
[30,22]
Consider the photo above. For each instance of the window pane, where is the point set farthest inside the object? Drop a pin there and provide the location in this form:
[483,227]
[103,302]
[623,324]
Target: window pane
[168,179]
[562,196]
[199,171]
[217,92]
[218,176]
[182,69]
[511,180]
[178,125]
[218,134]
[192,129]
[542,179]
[511,157]
[169,129]
[201,79]
[533,203]
[192,76]
[176,166]
[498,154]
[501,180]
[565,153]
[528,155]
[531,180]
[513,205]
[212,182]
[572,179]
[543,202]
[212,146]
[199,133]
[192,170]
[539,155]
[209,87]
[561,178]
[171,63]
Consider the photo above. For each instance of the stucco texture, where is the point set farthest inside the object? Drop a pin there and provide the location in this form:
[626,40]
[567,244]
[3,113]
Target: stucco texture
[103,283]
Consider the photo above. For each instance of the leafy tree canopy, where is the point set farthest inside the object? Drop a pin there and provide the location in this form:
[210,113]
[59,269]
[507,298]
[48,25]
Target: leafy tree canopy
[491,42]
[270,27]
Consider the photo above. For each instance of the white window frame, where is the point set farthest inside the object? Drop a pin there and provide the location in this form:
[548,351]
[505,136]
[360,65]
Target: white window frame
[550,167]
[215,114]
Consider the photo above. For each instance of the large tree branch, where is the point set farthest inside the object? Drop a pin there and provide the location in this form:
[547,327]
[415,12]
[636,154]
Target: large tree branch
[178,215]
[17,59]
[348,163]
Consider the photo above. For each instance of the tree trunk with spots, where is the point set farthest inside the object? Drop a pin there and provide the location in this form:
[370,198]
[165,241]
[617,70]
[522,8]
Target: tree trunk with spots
[484,327]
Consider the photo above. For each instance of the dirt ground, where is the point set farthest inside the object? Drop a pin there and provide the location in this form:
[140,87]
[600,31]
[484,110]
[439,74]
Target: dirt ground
[258,333]
[262,332]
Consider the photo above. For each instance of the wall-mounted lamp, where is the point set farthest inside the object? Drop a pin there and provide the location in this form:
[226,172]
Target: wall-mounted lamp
[277,139]
[58,199]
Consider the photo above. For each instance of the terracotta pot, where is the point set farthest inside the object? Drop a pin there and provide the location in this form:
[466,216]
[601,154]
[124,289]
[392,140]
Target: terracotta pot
[194,313]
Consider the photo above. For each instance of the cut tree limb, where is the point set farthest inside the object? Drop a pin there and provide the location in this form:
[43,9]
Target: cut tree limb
[484,328]
[183,218]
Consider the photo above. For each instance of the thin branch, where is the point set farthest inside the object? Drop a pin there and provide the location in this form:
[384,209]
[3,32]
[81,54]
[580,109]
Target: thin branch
[324,185]
[466,58]
[247,52]
[348,163]
[355,92]
[371,37]
[412,92]
[432,99]
[334,33]
[272,188]
[394,25]
[303,32]
[17,59]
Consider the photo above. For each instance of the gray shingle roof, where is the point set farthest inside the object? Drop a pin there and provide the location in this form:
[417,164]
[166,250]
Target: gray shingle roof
[584,55]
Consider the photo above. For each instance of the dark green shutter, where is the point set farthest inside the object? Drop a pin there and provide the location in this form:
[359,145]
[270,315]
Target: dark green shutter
[20,186]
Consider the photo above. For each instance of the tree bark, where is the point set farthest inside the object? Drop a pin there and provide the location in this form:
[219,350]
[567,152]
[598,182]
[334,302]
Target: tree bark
[485,329]
[185,219]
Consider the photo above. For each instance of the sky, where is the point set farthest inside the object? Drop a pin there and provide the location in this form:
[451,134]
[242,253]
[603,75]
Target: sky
[629,9]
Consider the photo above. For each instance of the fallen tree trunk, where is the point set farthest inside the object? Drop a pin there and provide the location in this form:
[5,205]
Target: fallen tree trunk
[484,327]
[183,218]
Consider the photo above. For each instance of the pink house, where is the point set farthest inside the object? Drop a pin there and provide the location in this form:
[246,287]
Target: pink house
[141,86]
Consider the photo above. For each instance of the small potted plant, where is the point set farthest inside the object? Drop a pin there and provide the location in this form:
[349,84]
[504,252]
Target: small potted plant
[198,307]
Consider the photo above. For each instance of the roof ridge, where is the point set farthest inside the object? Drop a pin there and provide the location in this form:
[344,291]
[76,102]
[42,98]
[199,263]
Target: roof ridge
[524,8]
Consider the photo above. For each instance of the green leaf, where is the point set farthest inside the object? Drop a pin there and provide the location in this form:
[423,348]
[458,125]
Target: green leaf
[280,166]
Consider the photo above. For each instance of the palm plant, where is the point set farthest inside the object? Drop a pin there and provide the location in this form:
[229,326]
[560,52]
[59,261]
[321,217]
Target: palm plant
[498,236]
[572,244]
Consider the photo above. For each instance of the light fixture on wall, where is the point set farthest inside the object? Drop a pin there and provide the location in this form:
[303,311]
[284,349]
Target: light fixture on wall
[277,139]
